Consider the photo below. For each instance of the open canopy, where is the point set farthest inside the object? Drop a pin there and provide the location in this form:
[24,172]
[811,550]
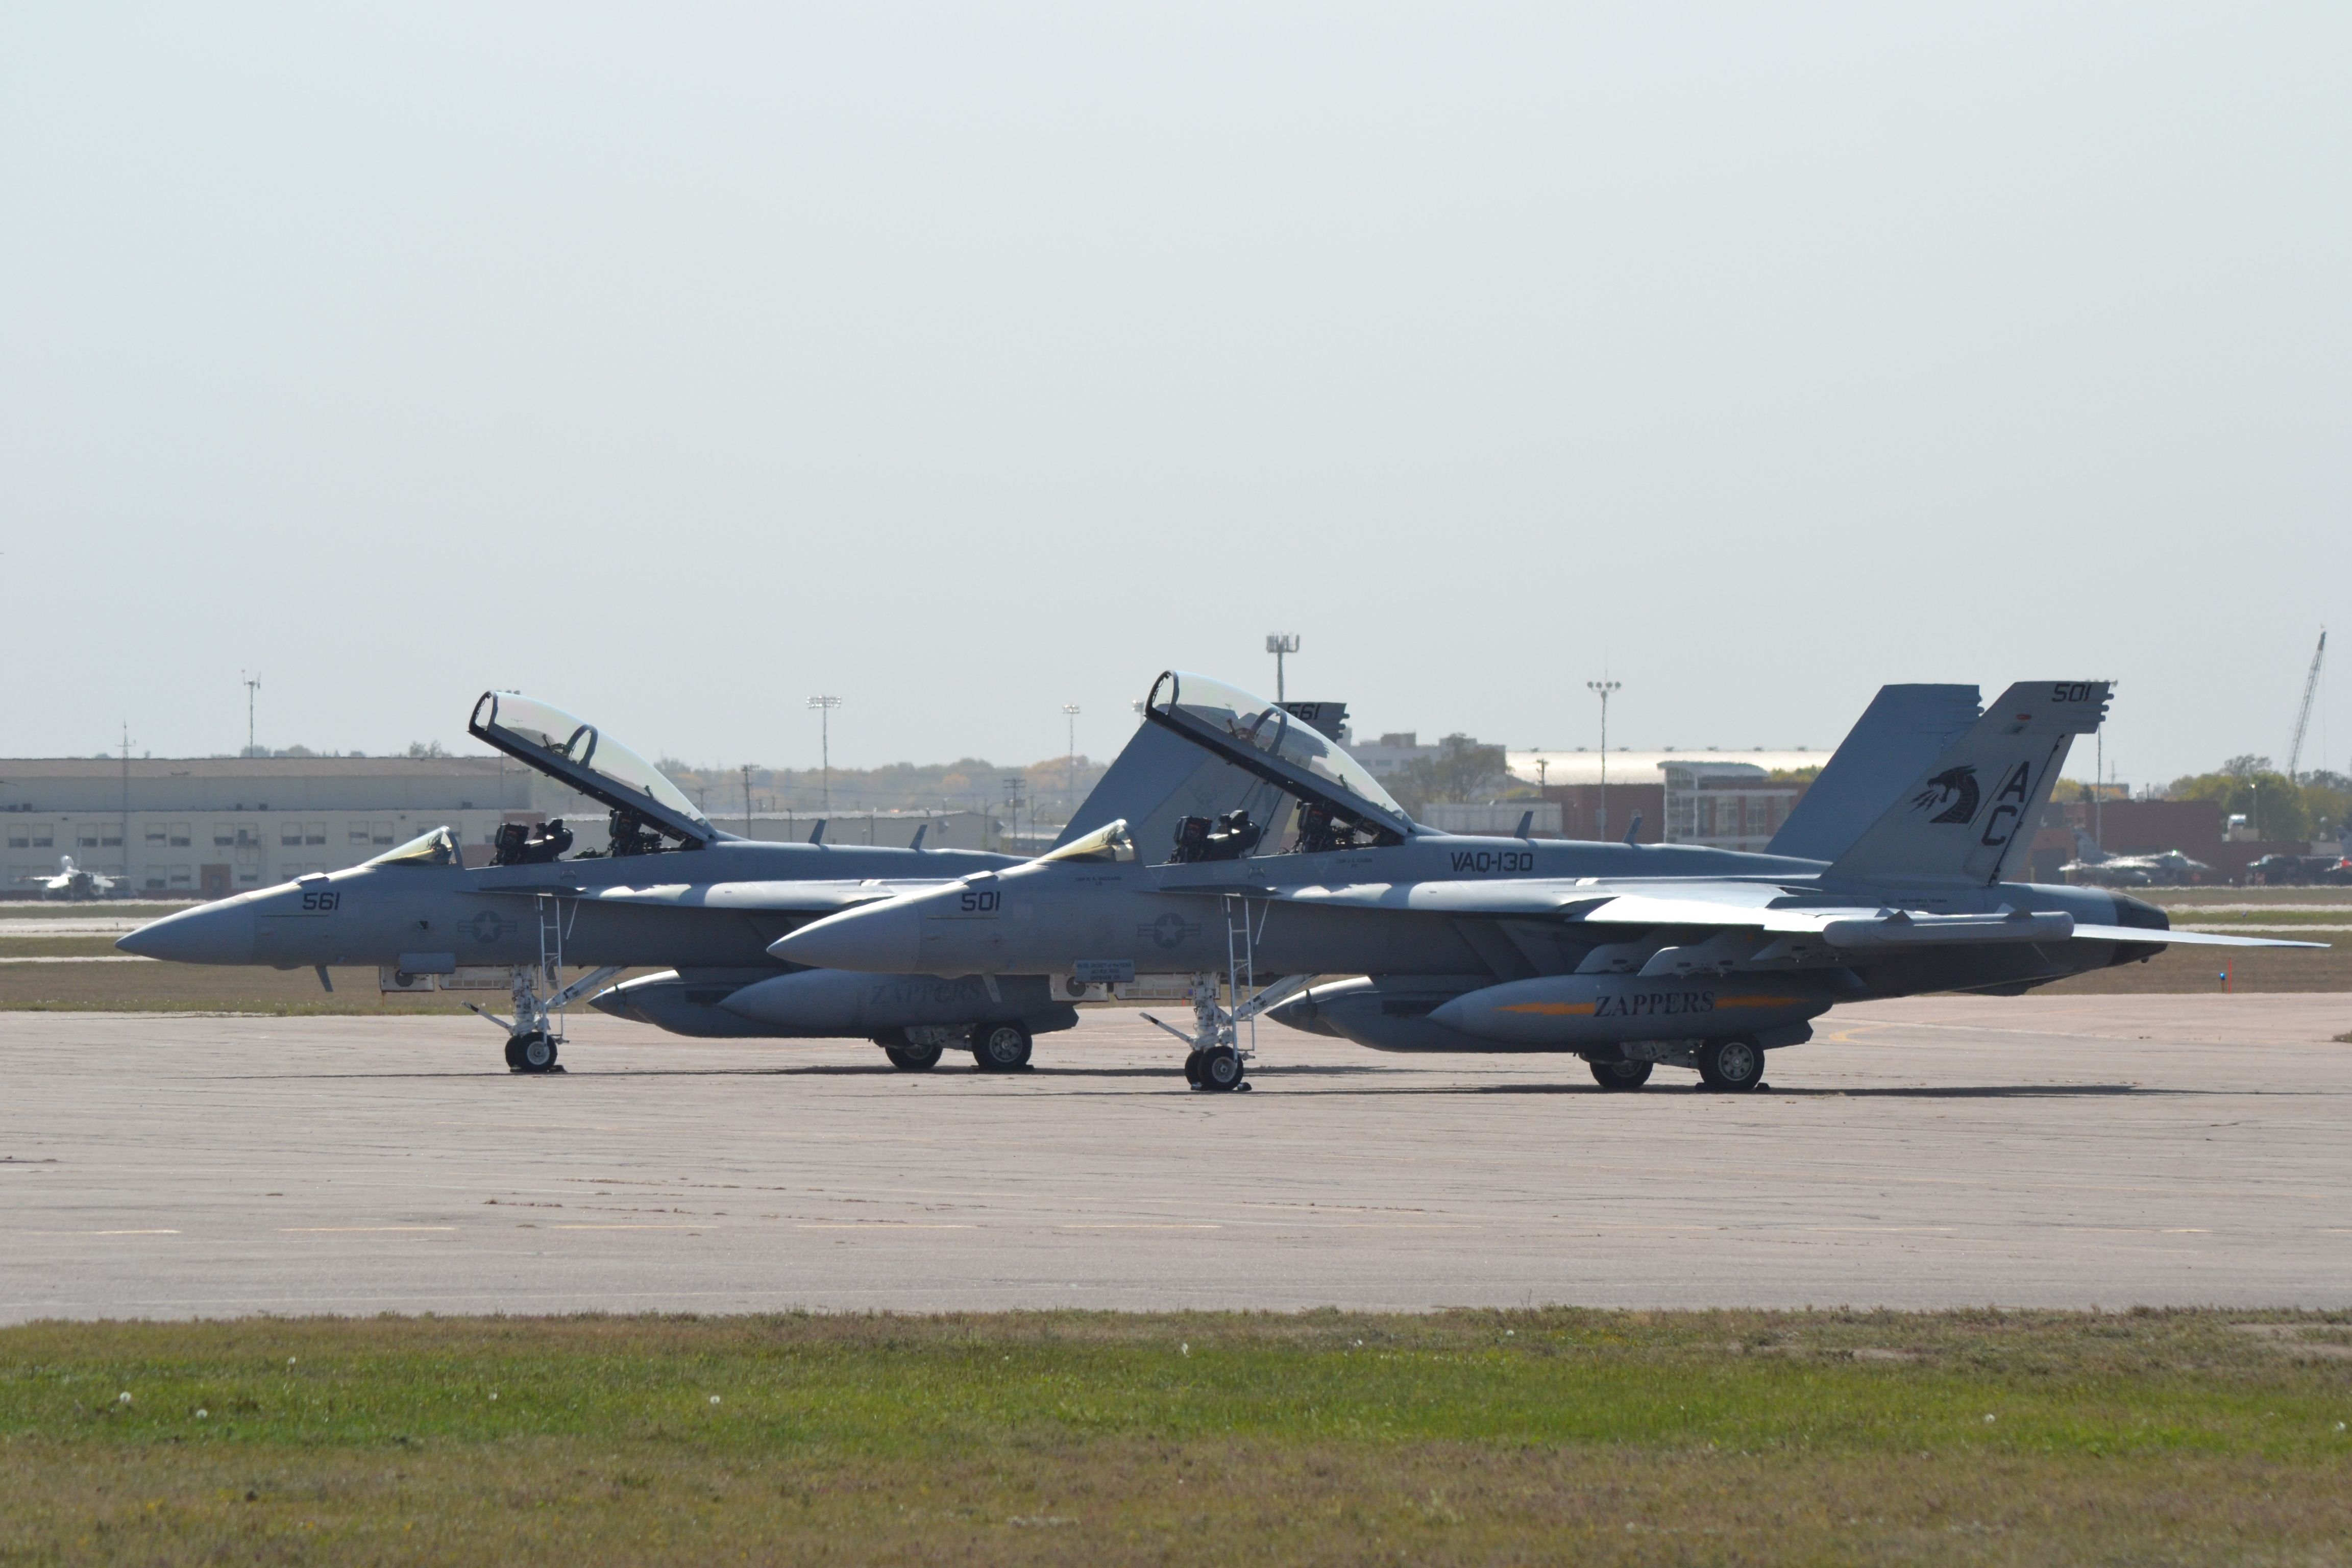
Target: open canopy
[1262,737]
[573,752]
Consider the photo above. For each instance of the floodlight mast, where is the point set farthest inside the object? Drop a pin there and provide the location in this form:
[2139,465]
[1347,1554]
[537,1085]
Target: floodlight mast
[1280,644]
[252,684]
[824,707]
[1605,688]
[1070,712]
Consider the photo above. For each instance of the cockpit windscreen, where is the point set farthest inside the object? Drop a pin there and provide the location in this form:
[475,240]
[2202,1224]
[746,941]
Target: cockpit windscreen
[550,727]
[436,848]
[1255,721]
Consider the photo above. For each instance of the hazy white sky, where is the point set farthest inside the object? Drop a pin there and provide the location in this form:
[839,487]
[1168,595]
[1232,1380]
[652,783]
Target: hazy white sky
[676,364]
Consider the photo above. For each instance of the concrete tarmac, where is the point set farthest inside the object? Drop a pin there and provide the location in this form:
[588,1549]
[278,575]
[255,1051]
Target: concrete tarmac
[1933,1153]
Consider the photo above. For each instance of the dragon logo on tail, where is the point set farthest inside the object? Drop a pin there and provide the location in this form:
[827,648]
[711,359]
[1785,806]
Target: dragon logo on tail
[1957,786]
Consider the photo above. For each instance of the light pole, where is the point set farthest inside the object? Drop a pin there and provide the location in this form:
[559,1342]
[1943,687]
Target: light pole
[1012,801]
[1070,712]
[824,707]
[1605,688]
[746,800]
[252,685]
[1278,644]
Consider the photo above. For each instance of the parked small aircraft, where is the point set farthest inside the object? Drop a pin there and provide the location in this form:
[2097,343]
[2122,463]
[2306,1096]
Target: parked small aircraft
[1629,955]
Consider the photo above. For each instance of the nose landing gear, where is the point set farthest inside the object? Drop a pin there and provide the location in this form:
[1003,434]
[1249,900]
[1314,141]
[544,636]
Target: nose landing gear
[536,1030]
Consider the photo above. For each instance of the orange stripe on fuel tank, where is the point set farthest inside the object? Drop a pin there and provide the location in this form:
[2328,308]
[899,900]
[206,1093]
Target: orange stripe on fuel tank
[1552,1009]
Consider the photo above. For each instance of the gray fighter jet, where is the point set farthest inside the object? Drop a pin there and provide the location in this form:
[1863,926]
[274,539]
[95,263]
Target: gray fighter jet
[669,891]
[1630,956]
[74,881]
[2093,866]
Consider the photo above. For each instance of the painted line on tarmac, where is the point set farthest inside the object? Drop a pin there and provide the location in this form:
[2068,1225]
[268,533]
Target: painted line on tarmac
[98,1233]
[352,1229]
[1184,1226]
[93,958]
[874,1224]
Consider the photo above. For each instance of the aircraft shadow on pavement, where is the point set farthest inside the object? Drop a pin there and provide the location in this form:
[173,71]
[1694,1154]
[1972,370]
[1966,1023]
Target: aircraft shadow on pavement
[1306,1077]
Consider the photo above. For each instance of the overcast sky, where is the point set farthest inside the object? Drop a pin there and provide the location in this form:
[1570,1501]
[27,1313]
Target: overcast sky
[674,364]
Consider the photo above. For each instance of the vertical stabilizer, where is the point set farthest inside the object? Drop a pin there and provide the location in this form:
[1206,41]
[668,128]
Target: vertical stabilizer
[1903,729]
[1964,817]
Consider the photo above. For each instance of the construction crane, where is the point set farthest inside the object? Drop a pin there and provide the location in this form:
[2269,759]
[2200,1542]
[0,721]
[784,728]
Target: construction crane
[2303,715]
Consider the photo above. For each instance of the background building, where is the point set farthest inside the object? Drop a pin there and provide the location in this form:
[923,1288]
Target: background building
[206,827]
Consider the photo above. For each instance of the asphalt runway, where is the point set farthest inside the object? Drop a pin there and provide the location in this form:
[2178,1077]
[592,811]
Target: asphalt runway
[1933,1153]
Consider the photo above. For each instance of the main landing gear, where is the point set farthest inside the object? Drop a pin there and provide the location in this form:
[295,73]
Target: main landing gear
[1000,1048]
[1620,1075]
[1735,1066]
[996,1047]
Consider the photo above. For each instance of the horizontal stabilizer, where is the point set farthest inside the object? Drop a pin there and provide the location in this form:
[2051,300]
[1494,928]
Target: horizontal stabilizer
[2182,938]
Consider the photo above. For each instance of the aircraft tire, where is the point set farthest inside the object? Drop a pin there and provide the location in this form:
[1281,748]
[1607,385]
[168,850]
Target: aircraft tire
[1000,1048]
[912,1058]
[1734,1066]
[514,1054]
[1221,1068]
[537,1052]
[1192,1068]
[1620,1075]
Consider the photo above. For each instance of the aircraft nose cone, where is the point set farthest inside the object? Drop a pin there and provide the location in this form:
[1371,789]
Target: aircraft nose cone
[886,939]
[219,934]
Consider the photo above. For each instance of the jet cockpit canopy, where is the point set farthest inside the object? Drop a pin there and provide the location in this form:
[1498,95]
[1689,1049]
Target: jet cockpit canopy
[1262,738]
[574,752]
[437,846]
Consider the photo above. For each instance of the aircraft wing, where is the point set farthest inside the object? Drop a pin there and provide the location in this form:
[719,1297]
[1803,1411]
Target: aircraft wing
[1764,909]
[774,897]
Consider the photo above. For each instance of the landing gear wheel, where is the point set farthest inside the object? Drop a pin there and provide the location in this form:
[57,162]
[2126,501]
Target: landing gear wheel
[1000,1048]
[514,1053]
[912,1058]
[1221,1068]
[1735,1066]
[1620,1075]
[1193,1069]
[533,1052]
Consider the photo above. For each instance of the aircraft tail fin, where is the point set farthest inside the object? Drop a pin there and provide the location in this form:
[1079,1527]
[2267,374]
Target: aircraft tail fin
[1903,729]
[1158,779]
[2087,850]
[1965,815]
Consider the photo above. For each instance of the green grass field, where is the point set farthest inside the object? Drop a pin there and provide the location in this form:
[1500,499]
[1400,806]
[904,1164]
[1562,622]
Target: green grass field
[1551,1436]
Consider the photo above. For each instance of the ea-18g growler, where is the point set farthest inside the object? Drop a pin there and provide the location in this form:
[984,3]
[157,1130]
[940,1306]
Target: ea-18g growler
[666,890]
[1889,879]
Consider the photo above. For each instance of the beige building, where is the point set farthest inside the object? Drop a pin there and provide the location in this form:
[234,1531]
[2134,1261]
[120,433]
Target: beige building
[206,827]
